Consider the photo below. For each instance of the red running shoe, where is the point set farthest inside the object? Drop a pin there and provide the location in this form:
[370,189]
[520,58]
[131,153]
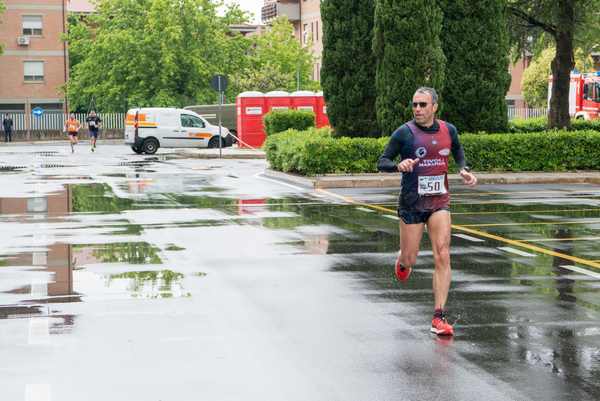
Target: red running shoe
[402,272]
[441,327]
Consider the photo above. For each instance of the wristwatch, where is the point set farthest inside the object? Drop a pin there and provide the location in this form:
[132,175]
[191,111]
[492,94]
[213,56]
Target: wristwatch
[467,169]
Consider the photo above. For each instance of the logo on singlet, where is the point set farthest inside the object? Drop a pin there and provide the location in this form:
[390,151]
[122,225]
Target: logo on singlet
[421,152]
[444,152]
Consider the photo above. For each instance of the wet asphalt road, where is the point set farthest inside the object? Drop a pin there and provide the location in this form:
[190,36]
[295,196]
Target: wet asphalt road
[168,277]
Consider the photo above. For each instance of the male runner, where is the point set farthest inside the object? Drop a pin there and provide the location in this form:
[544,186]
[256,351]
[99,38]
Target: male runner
[424,145]
[72,127]
[94,123]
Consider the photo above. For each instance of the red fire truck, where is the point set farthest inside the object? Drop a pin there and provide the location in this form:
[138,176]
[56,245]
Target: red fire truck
[584,95]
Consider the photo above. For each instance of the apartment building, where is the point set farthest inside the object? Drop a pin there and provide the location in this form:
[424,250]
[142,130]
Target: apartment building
[34,63]
[305,15]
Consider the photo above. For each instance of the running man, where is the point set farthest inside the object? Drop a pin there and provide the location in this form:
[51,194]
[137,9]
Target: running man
[72,127]
[424,145]
[94,123]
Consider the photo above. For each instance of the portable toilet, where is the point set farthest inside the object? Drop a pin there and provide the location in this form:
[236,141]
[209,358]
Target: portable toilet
[277,100]
[305,100]
[321,114]
[250,112]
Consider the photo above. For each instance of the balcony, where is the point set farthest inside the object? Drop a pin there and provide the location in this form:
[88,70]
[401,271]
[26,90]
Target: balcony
[277,8]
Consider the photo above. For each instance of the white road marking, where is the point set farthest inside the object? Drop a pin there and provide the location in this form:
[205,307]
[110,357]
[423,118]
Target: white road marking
[37,392]
[469,238]
[580,270]
[516,251]
[391,216]
[39,331]
[260,176]
[364,209]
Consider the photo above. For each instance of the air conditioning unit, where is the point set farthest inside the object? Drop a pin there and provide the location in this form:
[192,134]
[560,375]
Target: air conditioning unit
[23,40]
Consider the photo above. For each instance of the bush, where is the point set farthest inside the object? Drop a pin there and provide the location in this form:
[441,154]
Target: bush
[317,152]
[539,124]
[542,151]
[282,120]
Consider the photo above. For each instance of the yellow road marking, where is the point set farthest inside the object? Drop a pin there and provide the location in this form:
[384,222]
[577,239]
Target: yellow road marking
[540,223]
[530,211]
[479,233]
[561,239]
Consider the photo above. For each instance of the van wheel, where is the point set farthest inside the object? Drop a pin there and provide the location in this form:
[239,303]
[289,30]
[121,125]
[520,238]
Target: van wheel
[214,142]
[136,150]
[150,146]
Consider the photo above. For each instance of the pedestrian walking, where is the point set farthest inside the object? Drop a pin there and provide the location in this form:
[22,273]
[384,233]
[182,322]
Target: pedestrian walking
[94,122]
[424,145]
[72,127]
[7,124]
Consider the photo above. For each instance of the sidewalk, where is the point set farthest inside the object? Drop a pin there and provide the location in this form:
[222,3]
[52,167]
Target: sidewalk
[386,180]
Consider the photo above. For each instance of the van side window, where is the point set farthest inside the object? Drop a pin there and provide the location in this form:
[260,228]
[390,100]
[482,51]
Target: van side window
[190,121]
[597,92]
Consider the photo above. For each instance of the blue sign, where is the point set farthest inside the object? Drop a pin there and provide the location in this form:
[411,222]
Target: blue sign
[38,111]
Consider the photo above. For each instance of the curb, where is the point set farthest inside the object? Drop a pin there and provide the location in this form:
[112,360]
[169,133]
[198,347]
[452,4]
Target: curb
[392,180]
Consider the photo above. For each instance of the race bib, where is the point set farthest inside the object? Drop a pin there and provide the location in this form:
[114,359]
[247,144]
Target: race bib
[432,185]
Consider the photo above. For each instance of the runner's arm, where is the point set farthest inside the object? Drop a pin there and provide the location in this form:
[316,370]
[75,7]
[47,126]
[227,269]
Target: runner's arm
[398,141]
[457,150]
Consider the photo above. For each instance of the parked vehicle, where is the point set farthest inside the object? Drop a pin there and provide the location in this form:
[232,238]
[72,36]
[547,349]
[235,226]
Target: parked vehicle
[584,95]
[147,129]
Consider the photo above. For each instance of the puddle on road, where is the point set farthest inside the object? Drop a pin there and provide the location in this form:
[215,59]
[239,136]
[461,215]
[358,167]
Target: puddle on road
[67,273]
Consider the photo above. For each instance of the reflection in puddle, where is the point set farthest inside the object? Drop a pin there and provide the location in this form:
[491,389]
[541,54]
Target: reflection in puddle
[150,284]
[20,311]
[121,252]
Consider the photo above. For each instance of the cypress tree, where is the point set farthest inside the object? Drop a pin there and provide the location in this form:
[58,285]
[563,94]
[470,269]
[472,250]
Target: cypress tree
[476,44]
[407,47]
[348,71]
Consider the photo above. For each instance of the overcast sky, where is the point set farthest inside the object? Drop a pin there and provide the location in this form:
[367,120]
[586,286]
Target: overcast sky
[253,6]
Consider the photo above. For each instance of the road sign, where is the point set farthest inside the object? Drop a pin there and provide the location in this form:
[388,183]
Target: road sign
[219,83]
[37,111]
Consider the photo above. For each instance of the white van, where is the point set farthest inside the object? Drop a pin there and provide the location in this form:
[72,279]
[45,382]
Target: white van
[148,128]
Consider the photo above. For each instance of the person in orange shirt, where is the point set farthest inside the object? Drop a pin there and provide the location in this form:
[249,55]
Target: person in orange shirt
[72,126]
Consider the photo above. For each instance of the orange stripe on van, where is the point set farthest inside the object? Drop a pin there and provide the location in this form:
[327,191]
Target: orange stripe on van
[199,135]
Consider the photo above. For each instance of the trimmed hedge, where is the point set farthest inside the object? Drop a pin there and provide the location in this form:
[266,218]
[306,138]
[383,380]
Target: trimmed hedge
[282,120]
[315,151]
[539,124]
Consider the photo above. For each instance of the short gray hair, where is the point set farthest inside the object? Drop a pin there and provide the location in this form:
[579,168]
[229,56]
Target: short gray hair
[428,91]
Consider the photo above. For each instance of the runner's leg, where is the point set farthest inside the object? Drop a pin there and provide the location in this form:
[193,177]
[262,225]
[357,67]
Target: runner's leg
[439,227]
[410,239]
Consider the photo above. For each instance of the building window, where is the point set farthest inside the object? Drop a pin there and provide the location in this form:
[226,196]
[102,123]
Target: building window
[305,34]
[317,30]
[32,25]
[33,71]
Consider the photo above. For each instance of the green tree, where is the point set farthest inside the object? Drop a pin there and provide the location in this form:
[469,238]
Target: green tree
[80,38]
[348,71]
[476,70]
[406,44]
[563,21]
[275,61]
[154,52]
[535,77]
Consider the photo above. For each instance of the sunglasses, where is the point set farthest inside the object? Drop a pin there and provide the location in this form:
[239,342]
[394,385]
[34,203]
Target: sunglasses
[420,104]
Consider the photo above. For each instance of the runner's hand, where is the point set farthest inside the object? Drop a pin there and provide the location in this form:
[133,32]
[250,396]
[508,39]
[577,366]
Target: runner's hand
[407,165]
[468,178]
